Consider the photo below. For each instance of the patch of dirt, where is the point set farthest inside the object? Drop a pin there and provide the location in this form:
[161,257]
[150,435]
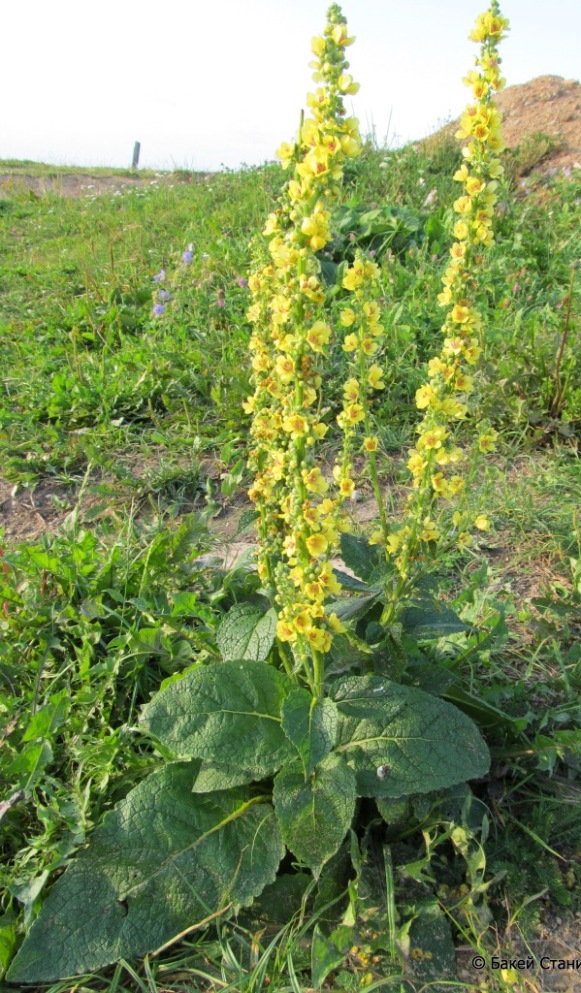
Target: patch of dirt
[25,515]
[558,942]
[549,105]
[89,184]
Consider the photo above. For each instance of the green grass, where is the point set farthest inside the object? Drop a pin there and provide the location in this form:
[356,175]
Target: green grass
[138,419]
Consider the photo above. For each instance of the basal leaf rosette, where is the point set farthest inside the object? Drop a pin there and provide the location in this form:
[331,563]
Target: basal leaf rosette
[437,463]
[290,339]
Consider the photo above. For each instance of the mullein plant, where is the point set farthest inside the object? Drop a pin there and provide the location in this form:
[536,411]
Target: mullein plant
[437,463]
[300,511]
[298,519]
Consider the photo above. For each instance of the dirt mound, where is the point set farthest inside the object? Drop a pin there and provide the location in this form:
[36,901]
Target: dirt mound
[547,105]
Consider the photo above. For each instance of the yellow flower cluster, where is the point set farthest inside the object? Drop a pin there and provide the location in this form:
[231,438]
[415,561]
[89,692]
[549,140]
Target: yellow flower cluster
[361,319]
[298,522]
[435,460]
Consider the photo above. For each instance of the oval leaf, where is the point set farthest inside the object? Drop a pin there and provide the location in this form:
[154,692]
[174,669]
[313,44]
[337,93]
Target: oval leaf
[162,861]
[247,632]
[315,814]
[311,726]
[400,740]
[227,713]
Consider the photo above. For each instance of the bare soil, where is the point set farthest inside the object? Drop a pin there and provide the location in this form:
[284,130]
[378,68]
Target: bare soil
[548,105]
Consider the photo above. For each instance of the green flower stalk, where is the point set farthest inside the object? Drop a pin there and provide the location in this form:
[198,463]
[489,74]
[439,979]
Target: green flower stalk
[298,521]
[436,460]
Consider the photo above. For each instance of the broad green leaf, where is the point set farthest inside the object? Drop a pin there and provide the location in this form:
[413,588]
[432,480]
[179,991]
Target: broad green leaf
[247,632]
[162,862]
[359,556]
[400,740]
[311,726]
[315,815]
[226,713]
[8,924]
[347,609]
[429,620]
[220,777]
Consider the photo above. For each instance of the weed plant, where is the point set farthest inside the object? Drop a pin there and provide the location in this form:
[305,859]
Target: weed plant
[128,322]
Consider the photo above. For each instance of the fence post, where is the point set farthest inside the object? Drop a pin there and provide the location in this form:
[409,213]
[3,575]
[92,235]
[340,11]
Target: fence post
[136,151]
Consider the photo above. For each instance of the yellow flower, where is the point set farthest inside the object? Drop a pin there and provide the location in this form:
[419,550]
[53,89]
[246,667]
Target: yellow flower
[460,230]
[432,438]
[350,343]
[394,543]
[318,45]
[346,83]
[285,368]
[315,481]
[347,317]
[460,314]
[474,185]
[425,396]
[354,276]
[415,463]
[374,377]
[340,36]
[351,389]
[370,444]
[354,413]
[482,522]
[295,424]
[317,545]
[430,530]
[346,487]
[369,347]
[285,631]
[319,639]
[472,353]
[463,205]
[335,623]
[487,442]
[328,580]
[303,622]
[285,153]
[318,335]
[316,227]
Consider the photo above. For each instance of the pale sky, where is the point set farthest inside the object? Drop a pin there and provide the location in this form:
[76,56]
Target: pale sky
[207,83]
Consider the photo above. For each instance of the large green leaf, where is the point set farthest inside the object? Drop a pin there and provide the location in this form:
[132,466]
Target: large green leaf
[164,860]
[311,726]
[247,632]
[359,556]
[400,740]
[227,713]
[429,619]
[315,813]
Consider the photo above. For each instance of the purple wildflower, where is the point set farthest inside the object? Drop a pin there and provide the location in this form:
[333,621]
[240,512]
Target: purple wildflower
[159,276]
[221,302]
[243,283]
[163,295]
[158,309]
[187,256]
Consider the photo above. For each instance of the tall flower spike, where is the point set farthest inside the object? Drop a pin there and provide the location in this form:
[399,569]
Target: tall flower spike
[435,460]
[297,520]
